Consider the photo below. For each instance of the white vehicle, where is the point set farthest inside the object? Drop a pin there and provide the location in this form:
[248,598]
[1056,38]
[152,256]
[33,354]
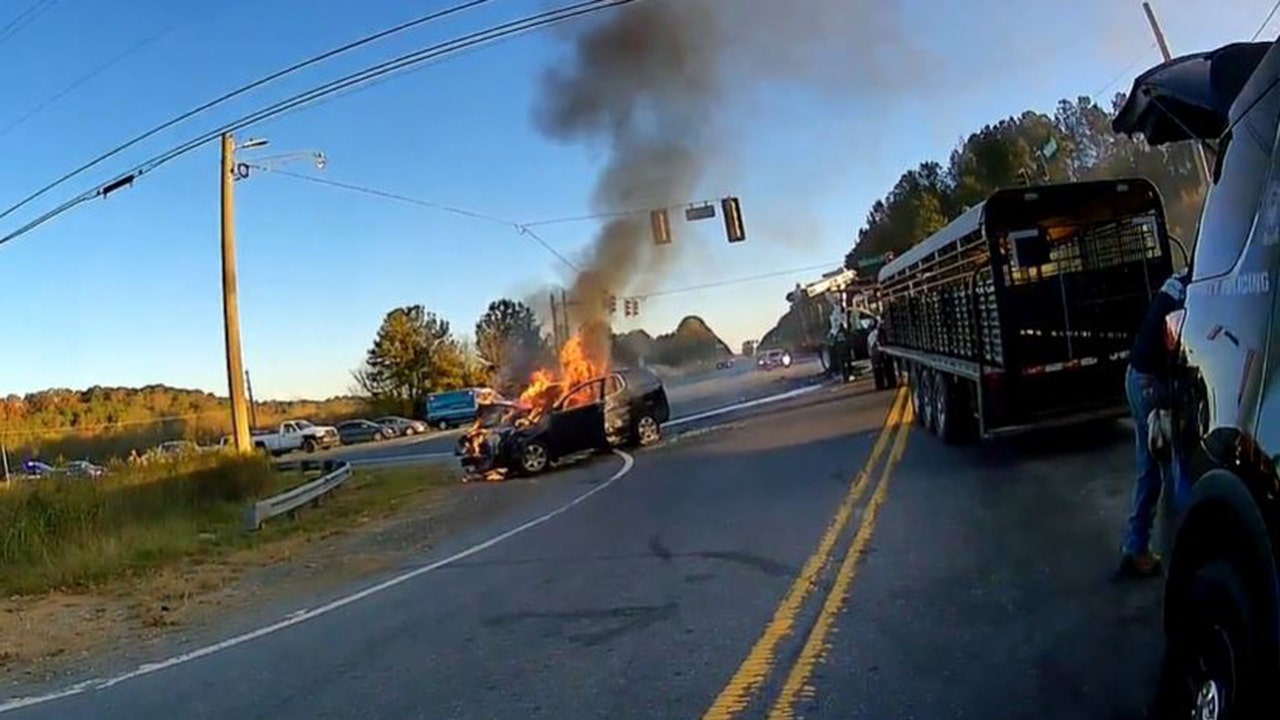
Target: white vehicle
[297,435]
[774,358]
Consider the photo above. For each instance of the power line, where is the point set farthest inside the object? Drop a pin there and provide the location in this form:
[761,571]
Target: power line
[1123,73]
[387,195]
[1266,22]
[301,65]
[489,35]
[25,18]
[616,214]
[734,281]
[113,61]
[522,229]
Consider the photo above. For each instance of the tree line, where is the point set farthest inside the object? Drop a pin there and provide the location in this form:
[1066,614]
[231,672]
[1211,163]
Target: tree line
[1073,143]
[415,352]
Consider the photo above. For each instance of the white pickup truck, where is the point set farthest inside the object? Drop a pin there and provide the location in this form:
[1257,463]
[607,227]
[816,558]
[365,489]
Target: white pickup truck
[297,435]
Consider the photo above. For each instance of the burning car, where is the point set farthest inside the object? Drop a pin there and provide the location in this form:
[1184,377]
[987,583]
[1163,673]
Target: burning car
[621,408]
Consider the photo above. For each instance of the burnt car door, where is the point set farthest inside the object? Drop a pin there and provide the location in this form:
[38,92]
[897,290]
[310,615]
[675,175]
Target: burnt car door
[617,408]
[577,422]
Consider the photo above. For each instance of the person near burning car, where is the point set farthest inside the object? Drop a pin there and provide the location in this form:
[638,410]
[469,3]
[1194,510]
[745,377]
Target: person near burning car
[1147,388]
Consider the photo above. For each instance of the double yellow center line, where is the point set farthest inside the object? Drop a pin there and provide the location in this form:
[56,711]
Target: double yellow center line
[761,660]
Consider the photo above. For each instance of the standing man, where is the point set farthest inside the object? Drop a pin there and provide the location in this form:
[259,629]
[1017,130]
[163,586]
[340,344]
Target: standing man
[1147,387]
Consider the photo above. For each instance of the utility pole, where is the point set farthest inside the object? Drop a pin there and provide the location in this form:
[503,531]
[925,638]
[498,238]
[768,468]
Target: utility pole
[253,406]
[1202,162]
[555,321]
[230,303]
[564,312]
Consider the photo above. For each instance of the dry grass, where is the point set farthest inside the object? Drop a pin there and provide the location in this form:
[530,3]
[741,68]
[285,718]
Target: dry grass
[71,534]
[188,584]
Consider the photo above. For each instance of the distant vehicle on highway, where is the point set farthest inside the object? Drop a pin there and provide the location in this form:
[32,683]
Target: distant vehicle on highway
[83,469]
[773,358]
[1222,585]
[358,431]
[452,409]
[402,426]
[296,435]
[626,407]
[1019,314]
[724,364]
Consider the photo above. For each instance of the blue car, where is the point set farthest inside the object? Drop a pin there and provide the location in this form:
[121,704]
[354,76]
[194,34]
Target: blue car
[451,409]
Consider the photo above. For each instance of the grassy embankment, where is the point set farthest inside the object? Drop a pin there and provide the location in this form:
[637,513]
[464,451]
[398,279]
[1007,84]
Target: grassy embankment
[72,534]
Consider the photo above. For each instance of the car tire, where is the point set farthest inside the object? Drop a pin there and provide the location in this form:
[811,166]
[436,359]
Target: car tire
[534,458]
[442,426]
[308,445]
[1211,667]
[647,431]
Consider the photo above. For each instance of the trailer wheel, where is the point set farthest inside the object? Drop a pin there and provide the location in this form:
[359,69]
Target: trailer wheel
[952,419]
[915,376]
[929,382]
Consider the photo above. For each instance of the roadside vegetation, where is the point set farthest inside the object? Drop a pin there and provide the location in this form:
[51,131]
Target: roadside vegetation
[73,534]
[103,423]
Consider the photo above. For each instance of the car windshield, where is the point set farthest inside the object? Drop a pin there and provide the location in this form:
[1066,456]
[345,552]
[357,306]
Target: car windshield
[303,424]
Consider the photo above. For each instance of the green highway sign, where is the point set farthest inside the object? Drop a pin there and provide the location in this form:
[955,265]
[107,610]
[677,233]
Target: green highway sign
[869,261]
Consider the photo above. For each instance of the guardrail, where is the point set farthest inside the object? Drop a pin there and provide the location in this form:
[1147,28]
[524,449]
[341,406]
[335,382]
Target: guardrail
[335,473]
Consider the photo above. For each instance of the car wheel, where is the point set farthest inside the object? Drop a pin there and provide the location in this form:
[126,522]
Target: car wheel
[915,377]
[309,445]
[1210,664]
[534,458]
[442,426]
[648,432]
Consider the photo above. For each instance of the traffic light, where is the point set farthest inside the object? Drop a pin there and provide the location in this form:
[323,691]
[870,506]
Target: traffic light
[733,219]
[661,227]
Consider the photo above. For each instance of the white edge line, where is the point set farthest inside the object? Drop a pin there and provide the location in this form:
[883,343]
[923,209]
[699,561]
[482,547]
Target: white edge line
[302,616]
[744,405]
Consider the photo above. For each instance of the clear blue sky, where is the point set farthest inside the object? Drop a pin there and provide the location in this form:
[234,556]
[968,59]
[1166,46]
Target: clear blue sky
[127,291]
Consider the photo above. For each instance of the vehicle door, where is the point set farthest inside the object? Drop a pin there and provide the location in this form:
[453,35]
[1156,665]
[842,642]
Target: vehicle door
[577,422]
[290,437]
[617,408]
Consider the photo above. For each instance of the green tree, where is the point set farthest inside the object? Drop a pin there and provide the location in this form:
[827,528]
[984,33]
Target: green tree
[509,341]
[412,355]
[1009,153]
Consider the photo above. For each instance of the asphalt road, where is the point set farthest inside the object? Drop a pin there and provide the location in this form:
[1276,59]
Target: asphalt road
[745,567]
[688,396]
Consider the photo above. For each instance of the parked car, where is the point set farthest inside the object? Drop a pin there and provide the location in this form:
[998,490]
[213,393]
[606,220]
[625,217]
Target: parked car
[177,447]
[774,358]
[83,469]
[38,469]
[356,431]
[626,407]
[1222,586]
[452,409]
[402,426]
[297,435]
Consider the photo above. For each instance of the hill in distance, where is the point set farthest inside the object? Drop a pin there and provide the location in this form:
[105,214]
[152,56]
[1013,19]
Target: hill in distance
[690,343]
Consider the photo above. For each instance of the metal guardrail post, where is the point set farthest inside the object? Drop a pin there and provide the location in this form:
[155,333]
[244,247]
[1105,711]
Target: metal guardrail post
[288,502]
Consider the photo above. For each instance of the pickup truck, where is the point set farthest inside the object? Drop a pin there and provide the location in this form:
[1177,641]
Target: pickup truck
[296,435]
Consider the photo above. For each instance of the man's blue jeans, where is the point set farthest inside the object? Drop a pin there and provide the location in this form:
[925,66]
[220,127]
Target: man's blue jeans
[1146,392]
